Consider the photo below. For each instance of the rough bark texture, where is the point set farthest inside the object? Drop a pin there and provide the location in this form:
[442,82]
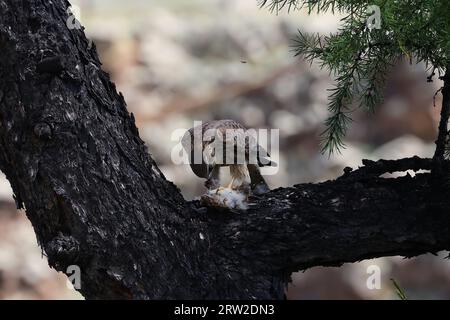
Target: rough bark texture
[96,198]
[441,141]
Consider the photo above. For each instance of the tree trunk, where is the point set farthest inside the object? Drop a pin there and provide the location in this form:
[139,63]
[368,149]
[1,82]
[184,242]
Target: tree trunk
[96,199]
[441,141]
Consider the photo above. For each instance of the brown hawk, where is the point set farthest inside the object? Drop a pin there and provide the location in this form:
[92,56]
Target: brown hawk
[216,144]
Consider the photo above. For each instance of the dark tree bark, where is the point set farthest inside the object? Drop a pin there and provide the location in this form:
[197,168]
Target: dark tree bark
[96,199]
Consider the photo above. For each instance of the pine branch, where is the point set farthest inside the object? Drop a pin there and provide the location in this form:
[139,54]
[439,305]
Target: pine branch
[418,31]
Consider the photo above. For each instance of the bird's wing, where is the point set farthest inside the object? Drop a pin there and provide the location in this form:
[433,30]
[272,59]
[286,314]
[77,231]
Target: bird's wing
[239,145]
[256,153]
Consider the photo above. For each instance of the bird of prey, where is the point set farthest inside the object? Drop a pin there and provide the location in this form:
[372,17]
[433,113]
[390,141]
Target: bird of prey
[215,144]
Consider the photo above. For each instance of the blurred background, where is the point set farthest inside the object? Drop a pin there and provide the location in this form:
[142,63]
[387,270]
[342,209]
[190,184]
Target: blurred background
[178,61]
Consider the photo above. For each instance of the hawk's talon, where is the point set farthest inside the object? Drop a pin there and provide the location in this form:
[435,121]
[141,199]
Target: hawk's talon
[244,188]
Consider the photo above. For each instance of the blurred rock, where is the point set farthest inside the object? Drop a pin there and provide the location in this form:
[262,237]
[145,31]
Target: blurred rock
[24,272]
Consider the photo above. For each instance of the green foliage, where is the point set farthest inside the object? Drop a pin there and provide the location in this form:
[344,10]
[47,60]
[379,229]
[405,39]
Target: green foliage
[359,56]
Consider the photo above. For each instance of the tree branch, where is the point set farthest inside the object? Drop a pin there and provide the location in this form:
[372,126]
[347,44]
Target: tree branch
[96,199]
